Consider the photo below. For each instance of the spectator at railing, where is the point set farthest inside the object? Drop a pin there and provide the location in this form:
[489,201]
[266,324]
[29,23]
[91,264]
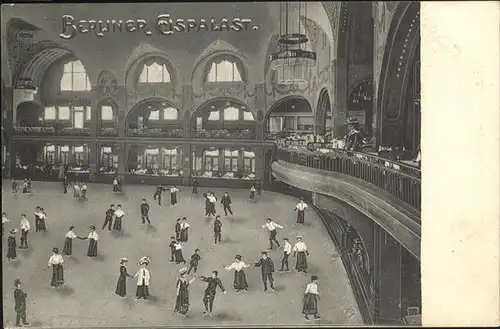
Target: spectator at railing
[224,134]
[110,131]
[354,137]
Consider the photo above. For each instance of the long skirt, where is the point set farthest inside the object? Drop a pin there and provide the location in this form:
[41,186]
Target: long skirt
[300,217]
[182,301]
[11,253]
[142,291]
[183,237]
[41,225]
[310,304]
[57,275]
[301,261]
[178,257]
[92,252]
[117,226]
[252,195]
[173,198]
[212,208]
[121,286]
[240,280]
[68,247]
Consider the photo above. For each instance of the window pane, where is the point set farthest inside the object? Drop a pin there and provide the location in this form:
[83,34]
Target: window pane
[78,119]
[107,113]
[66,82]
[155,73]
[49,113]
[106,150]
[170,114]
[237,75]
[154,115]
[224,71]
[214,116]
[68,67]
[143,78]
[248,116]
[78,67]
[212,77]
[231,114]
[64,113]
[79,81]
[88,113]
[89,85]
[64,148]
[166,74]
[199,123]
[78,149]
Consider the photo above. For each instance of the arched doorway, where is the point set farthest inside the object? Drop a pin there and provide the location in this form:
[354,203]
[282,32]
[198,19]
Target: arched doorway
[223,118]
[360,106]
[323,114]
[292,115]
[154,117]
[28,114]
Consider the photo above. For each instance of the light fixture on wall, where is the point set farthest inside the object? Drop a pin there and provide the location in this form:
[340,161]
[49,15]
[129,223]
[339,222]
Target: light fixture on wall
[293,57]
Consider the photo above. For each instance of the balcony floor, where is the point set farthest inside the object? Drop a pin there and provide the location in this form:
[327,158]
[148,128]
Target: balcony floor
[88,298]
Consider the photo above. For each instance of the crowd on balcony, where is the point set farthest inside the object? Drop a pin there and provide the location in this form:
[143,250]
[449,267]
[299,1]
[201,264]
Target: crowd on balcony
[236,133]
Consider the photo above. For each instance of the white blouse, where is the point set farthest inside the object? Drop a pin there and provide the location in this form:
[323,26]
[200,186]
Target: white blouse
[288,248]
[178,246]
[119,213]
[174,190]
[252,189]
[93,235]
[5,220]
[238,266]
[25,225]
[272,226]
[312,288]
[300,246]
[211,198]
[71,235]
[301,206]
[185,226]
[56,260]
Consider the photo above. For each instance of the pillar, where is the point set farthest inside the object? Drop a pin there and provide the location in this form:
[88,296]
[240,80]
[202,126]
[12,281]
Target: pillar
[93,161]
[339,113]
[260,107]
[122,160]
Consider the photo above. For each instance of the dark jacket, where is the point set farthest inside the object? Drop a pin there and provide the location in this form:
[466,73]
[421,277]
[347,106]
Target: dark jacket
[195,258]
[172,246]
[20,299]
[144,208]
[109,213]
[226,200]
[217,226]
[177,227]
[266,265]
[212,285]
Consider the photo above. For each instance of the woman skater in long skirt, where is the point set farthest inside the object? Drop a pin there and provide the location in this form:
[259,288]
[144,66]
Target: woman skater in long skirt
[121,285]
[300,250]
[179,258]
[68,242]
[41,221]
[56,261]
[11,245]
[240,280]
[310,300]
[117,226]
[182,296]
[93,237]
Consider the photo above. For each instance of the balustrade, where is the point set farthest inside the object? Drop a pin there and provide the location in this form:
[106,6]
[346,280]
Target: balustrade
[156,132]
[224,134]
[51,131]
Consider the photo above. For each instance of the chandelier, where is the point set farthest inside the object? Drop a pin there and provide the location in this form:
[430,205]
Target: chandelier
[293,57]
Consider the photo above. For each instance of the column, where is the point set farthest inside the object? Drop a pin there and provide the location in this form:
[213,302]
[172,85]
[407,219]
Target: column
[95,117]
[259,107]
[93,161]
[260,163]
[187,110]
[221,160]
[186,162]
[122,160]
[339,113]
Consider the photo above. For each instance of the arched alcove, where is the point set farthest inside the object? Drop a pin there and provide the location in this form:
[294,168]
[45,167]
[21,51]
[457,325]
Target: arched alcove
[29,114]
[155,160]
[323,113]
[223,118]
[107,111]
[360,106]
[230,162]
[154,117]
[289,115]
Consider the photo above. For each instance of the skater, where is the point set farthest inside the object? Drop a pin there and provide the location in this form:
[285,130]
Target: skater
[287,250]
[93,237]
[14,186]
[217,229]
[116,186]
[109,217]
[145,212]
[41,220]
[25,227]
[207,204]
[4,220]
[178,229]
[310,301]
[65,183]
[193,263]
[143,277]
[182,295]
[226,203]
[76,190]
[267,268]
[37,214]
[83,189]
[117,226]
[121,285]
[56,261]
[271,226]
[252,193]
[11,245]
[179,258]
[183,237]
[195,185]
[29,185]
[25,186]
[300,208]
[68,242]
[240,279]
[300,250]
[211,208]
[158,193]
[210,291]
[173,242]
[20,304]
[258,187]
[173,195]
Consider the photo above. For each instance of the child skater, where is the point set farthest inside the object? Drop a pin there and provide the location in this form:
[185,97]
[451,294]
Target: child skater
[193,263]
[310,300]
[121,285]
[56,261]
[11,245]
[183,237]
[178,253]
[240,280]
[271,226]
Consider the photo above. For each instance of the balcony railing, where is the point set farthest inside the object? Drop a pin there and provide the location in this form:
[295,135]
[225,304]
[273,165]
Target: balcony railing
[400,180]
[156,132]
[224,134]
[51,131]
[109,131]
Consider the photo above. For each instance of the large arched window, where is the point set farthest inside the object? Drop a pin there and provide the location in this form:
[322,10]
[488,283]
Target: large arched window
[75,77]
[231,114]
[75,115]
[224,69]
[168,113]
[154,70]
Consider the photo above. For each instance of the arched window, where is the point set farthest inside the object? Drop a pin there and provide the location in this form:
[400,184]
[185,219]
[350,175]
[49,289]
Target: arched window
[77,115]
[231,160]
[231,114]
[170,113]
[49,113]
[75,77]
[249,164]
[107,113]
[154,115]
[211,159]
[248,116]
[154,70]
[214,116]
[224,69]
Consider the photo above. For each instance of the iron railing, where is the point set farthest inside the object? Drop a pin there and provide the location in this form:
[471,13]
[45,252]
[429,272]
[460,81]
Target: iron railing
[400,180]
[51,131]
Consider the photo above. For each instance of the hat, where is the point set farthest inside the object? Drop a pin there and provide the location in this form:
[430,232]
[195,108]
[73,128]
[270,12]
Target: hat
[13,231]
[123,260]
[299,237]
[92,227]
[285,239]
[301,199]
[17,281]
[196,250]
[238,257]
[55,250]
[183,270]
[268,218]
[144,260]
[264,252]
[314,277]
[71,227]
[351,120]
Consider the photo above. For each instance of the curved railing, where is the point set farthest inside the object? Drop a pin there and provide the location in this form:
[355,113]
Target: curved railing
[400,180]
[51,131]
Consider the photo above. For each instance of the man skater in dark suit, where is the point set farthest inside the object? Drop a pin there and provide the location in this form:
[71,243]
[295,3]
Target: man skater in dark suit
[209,295]
[267,268]
[157,195]
[226,203]
[195,186]
[109,217]
[217,229]
[178,229]
[172,244]
[145,212]
[193,263]
[20,304]
[258,187]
